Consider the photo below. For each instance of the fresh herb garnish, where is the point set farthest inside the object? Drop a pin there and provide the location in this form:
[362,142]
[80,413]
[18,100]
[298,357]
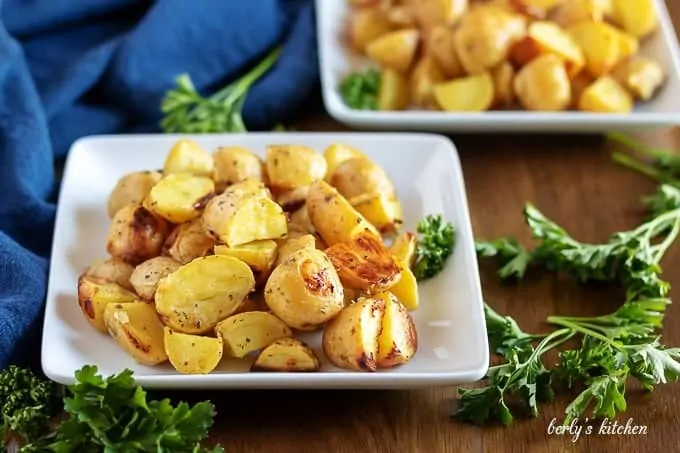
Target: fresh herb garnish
[434,246]
[360,90]
[186,111]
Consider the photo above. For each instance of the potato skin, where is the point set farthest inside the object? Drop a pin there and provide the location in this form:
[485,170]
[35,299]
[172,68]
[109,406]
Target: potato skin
[244,333]
[235,164]
[290,245]
[293,166]
[95,294]
[188,157]
[398,339]
[112,269]
[187,242]
[360,176]
[137,329]
[146,276]
[192,354]
[179,198]
[543,84]
[131,189]
[136,235]
[304,291]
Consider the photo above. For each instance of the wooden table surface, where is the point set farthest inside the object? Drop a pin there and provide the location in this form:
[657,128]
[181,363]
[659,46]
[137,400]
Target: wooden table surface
[572,180]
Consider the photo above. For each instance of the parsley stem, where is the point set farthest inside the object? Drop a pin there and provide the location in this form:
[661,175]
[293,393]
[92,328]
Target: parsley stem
[581,327]
[637,146]
[648,170]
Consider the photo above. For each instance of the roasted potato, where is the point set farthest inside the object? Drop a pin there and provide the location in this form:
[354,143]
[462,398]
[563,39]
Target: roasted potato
[291,245]
[250,331]
[404,248]
[147,275]
[131,189]
[286,354]
[198,295]
[398,339]
[543,84]
[192,354]
[137,329]
[384,212]
[292,200]
[333,216]
[293,166]
[425,75]
[364,263]
[248,188]
[180,197]
[95,293]
[336,154]
[236,218]
[578,86]
[350,339]
[572,12]
[395,50]
[235,164]
[187,242]
[429,13]
[304,290]
[136,234]
[605,95]
[601,45]
[361,176]
[641,76]
[112,269]
[547,37]
[300,222]
[440,47]
[259,255]
[504,84]
[394,91]
[466,94]
[366,25]
[637,17]
[406,288]
[186,156]
[254,302]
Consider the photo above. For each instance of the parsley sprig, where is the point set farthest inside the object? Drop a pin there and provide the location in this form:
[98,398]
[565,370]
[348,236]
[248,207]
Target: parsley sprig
[360,89]
[434,246]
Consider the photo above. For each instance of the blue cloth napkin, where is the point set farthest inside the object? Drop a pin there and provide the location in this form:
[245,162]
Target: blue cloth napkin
[70,68]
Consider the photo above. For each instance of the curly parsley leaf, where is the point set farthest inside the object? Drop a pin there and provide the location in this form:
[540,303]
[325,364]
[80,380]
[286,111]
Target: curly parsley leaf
[434,246]
[360,90]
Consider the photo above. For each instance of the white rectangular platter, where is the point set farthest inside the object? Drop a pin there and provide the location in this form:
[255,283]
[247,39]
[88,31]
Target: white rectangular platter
[426,172]
[336,61]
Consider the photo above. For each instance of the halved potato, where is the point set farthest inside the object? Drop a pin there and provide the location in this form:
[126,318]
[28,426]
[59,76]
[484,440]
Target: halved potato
[547,37]
[187,242]
[333,216]
[192,354]
[180,197]
[260,255]
[198,295]
[600,43]
[440,47]
[605,95]
[366,25]
[248,188]
[290,245]
[398,338]
[425,75]
[574,11]
[186,156]
[336,154]
[360,176]
[286,354]
[293,166]
[95,293]
[641,76]
[250,331]
[406,288]
[466,94]
[350,339]
[404,248]
[364,263]
[112,269]
[137,329]
[637,17]
[136,234]
[384,212]
[543,84]
[146,276]
[131,189]
[235,164]
[395,50]
[394,91]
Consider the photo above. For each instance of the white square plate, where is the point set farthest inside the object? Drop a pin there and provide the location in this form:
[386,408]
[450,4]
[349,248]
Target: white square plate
[336,61]
[426,172]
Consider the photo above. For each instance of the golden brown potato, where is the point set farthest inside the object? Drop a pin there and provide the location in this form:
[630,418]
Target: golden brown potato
[628,45]
[404,248]
[247,332]
[248,188]
[333,216]
[485,36]
[600,43]
[136,234]
[186,156]
[146,276]
[350,340]
[366,25]
[605,95]
[440,47]
[95,293]
[192,354]
[286,354]
[395,50]
[137,329]
[578,86]
[112,269]
[503,81]
[336,154]
[131,189]
[466,94]
[304,290]
[637,17]
[394,91]
[187,242]
[260,255]
[543,84]
[430,13]
[574,11]
[534,8]
[360,176]
[291,245]
[364,263]
[399,16]
[406,288]
[198,295]
[293,166]
[423,78]
[235,164]
[641,76]
[398,338]
[180,197]
[384,212]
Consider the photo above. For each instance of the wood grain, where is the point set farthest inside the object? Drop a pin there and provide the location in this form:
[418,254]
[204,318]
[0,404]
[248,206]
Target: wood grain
[572,180]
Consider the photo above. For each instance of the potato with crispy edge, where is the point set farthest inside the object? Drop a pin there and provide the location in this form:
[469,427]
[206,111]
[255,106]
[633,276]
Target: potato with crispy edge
[137,329]
[503,81]
[404,247]
[406,288]
[543,84]
[293,166]
[360,176]
[246,332]
[198,295]
[350,339]
[136,234]
[192,354]
[366,25]
[384,212]
[304,291]
[641,76]
[260,255]
[146,276]
[291,244]
[112,269]
[395,50]
[292,200]
[235,164]
[440,46]
[95,293]
[286,355]
[398,338]
[333,216]
[131,189]
[187,242]
[180,197]
[186,156]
